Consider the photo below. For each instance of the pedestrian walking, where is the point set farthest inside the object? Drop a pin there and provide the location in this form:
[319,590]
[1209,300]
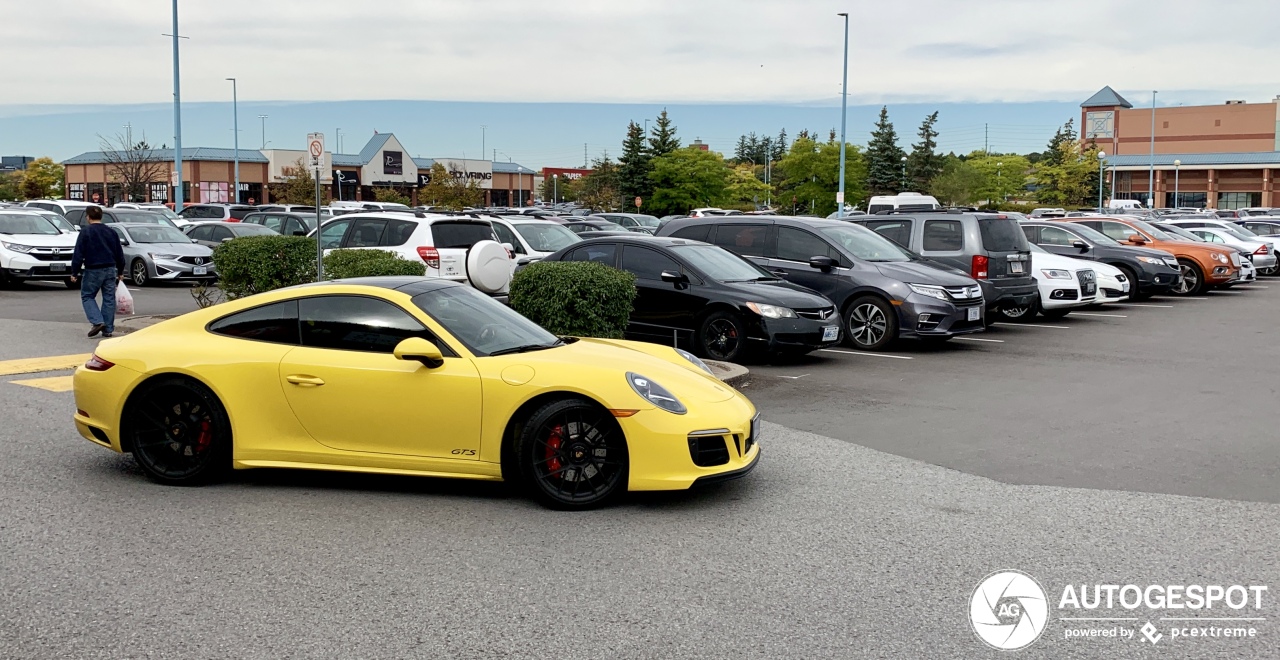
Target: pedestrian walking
[98,262]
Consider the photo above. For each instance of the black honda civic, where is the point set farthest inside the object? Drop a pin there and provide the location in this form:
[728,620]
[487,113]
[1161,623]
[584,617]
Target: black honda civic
[711,301]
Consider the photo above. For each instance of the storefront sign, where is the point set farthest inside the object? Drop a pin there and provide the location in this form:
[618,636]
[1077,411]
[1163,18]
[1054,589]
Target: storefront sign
[393,162]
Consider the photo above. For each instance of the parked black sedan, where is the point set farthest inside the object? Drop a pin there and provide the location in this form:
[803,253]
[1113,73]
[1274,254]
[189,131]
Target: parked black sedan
[705,298]
[1151,271]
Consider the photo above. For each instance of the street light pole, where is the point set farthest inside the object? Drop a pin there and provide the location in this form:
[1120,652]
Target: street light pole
[844,104]
[337,137]
[1102,181]
[264,130]
[177,116]
[235,128]
[555,188]
[1177,198]
[1151,174]
[904,174]
[1000,180]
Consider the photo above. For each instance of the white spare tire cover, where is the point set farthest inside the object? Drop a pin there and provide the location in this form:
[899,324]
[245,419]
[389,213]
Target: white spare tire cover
[488,266]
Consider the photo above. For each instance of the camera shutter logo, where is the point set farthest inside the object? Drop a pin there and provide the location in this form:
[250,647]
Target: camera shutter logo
[1008,610]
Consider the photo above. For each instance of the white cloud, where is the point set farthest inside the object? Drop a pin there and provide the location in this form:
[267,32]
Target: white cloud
[664,51]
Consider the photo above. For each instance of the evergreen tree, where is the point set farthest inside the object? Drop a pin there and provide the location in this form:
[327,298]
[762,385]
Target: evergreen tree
[763,148]
[779,146]
[1053,153]
[662,138]
[831,137]
[884,158]
[803,134]
[740,151]
[923,164]
[633,168]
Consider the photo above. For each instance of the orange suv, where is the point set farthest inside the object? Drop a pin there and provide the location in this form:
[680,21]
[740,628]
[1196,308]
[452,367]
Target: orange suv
[1203,265]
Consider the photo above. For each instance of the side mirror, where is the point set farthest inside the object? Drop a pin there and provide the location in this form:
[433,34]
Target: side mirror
[124,242]
[1080,244]
[225,240]
[674,277]
[1136,238]
[823,264]
[417,348]
[298,232]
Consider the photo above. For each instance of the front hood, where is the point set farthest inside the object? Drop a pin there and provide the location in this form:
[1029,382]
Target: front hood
[1149,252]
[41,240]
[782,293]
[919,272]
[659,363]
[180,249]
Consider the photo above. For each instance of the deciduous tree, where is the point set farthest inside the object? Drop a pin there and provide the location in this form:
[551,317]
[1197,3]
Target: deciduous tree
[687,179]
[43,178]
[135,166]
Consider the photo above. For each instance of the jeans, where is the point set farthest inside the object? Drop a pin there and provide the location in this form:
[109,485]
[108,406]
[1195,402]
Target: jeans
[93,280]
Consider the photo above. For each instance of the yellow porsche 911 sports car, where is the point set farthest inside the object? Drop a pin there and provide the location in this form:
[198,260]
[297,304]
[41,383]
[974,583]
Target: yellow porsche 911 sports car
[416,376]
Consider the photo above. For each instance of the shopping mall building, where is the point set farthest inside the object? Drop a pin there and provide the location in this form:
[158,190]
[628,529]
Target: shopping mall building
[208,174]
[1211,156]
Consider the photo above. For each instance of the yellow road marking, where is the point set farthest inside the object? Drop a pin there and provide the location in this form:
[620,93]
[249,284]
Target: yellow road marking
[36,365]
[53,384]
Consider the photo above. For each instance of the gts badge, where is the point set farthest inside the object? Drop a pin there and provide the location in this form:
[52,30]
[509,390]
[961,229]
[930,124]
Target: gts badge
[463,452]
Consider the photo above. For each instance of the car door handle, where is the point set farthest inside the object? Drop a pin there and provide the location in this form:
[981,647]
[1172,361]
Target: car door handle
[778,271]
[304,381]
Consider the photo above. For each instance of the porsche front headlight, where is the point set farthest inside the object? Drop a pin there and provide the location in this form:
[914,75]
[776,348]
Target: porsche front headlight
[655,394]
[695,360]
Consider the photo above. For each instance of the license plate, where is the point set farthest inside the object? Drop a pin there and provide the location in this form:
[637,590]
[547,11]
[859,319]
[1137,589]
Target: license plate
[831,333]
[200,270]
[973,313]
[1124,286]
[58,268]
[1015,267]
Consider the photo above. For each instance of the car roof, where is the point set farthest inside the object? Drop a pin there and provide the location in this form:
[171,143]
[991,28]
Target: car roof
[637,238]
[201,223]
[406,284]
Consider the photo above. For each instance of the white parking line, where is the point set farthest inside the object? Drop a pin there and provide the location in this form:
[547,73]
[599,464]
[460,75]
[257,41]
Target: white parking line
[1251,286]
[1110,316]
[1032,325]
[794,377]
[994,341]
[883,355]
[1141,305]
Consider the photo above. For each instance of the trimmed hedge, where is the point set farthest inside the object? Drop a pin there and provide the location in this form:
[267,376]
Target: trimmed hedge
[577,298]
[343,264]
[255,264]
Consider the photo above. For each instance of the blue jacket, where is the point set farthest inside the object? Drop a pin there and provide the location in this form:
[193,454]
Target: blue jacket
[98,246]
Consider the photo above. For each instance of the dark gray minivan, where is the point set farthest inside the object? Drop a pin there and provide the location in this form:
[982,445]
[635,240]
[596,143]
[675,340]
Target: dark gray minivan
[989,247]
[881,291]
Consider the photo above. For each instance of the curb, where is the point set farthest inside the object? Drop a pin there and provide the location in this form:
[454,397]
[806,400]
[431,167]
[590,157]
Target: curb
[733,375]
[136,323]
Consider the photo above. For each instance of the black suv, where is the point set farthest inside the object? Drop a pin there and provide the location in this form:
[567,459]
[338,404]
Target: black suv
[882,291]
[1152,272]
[989,247]
[718,304]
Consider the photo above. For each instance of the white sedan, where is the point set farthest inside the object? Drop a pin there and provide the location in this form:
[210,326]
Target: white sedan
[1065,283]
[1113,284]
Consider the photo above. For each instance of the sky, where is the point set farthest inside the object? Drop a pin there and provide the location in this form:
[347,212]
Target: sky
[545,77]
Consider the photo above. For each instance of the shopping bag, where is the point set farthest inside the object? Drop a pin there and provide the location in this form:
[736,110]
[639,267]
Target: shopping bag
[124,300]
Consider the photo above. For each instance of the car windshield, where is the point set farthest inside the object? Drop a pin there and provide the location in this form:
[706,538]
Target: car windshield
[1151,230]
[1094,235]
[242,229]
[602,225]
[1238,231]
[57,220]
[24,223]
[156,235]
[720,264]
[484,325]
[545,236]
[162,210]
[865,244]
[145,217]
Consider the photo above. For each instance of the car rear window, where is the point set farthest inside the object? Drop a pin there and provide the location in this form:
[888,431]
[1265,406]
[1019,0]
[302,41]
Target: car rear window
[460,234]
[1002,235]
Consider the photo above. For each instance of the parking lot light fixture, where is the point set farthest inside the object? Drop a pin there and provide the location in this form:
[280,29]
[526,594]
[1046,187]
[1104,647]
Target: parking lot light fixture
[1151,173]
[904,173]
[235,130]
[1102,159]
[264,130]
[1000,180]
[1177,198]
[844,106]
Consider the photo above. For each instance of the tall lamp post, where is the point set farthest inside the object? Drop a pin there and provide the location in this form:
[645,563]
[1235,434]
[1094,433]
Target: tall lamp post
[1177,198]
[519,183]
[264,130]
[1151,173]
[177,117]
[844,101]
[1000,180]
[1102,182]
[235,129]
[904,173]
[555,188]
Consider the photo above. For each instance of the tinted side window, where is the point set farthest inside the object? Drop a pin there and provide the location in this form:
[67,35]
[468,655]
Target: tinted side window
[601,253]
[221,234]
[275,222]
[460,234]
[1055,236]
[331,234]
[367,232]
[200,233]
[898,231]
[943,235]
[1116,230]
[694,233]
[277,323]
[799,245]
[746,240]
[355,323]
[76,217]
[646,264]
[398,232]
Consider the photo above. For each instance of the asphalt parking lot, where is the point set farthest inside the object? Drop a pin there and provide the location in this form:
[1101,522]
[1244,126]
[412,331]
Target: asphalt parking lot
[1135,444]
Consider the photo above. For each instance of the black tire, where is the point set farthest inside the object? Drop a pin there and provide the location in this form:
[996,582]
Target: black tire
[572,455]
[1192,282]
[1019,313]
[1134,293]
[1054,314]
[178,432]
[870,323]
[722,336]
[138,273]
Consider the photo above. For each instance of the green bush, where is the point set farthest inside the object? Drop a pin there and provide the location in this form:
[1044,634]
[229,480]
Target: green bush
[343,264]
[578,298]
[255,264]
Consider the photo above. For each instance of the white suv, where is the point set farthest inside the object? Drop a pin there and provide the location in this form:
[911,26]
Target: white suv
[59,206]
[32,248]
[453,247]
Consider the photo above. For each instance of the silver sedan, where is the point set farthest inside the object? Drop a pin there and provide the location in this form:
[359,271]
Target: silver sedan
[162,253]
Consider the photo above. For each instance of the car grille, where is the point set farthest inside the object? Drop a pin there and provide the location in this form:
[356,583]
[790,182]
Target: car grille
[816,313]
[965,296]
[1088,282]
[708,450]
[51,254]
[196,261]
[1235,258]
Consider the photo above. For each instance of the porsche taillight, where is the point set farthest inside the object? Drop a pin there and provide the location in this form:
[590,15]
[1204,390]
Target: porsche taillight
[96,363]
[430,255]
[978,268]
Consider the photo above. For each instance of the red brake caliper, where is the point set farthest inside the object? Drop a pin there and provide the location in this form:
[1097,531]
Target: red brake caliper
[206,435]
[553,444]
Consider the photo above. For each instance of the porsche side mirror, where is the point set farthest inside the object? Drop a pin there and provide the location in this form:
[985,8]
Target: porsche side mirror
[823,264]
[1084,247]
[417,348]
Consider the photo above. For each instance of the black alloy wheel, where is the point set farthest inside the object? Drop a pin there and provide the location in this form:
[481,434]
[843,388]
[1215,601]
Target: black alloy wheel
[1192,282]
[178,432]
[573,455]
[138,273]
[722,336]
[1019,313]
[871,323]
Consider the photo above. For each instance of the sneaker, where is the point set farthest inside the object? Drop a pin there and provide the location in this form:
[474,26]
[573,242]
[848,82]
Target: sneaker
[97,327]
